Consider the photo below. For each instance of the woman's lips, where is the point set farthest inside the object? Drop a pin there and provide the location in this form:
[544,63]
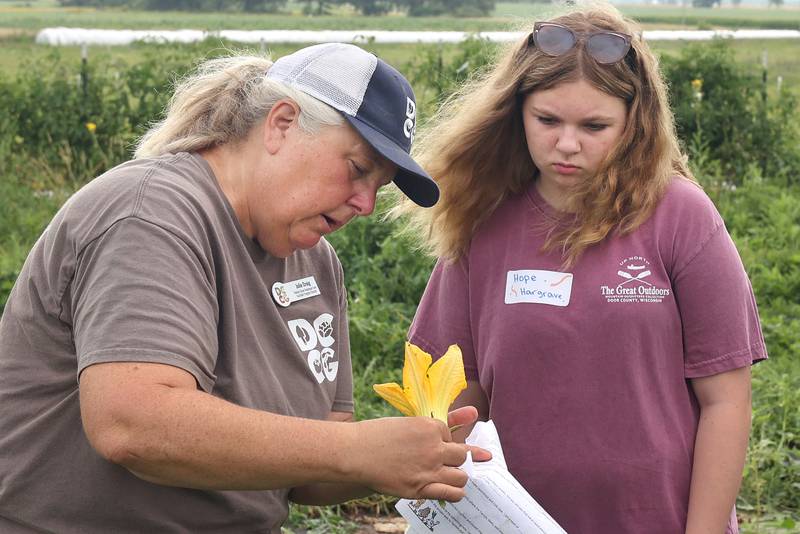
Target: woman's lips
[331,223]
[334,224]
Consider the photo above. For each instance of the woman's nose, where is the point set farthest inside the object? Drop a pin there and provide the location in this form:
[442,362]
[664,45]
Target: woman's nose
[363,200]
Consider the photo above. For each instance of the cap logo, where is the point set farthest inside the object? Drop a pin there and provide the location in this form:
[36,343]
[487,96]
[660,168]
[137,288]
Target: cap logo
[411,113]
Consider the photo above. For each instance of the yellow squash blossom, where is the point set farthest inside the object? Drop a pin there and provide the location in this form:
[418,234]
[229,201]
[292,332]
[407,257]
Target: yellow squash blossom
[428,390]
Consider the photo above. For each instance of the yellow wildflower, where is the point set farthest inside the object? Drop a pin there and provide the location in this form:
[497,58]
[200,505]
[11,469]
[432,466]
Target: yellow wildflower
[428,390]
[92,127]
[697,86]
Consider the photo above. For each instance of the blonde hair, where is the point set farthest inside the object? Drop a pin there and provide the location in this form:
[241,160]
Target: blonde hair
[475,145]
[221,102]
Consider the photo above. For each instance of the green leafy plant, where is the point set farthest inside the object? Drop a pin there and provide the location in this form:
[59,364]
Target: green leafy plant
[737,121]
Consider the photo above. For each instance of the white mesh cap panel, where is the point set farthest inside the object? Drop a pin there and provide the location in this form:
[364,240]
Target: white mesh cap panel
[337,74]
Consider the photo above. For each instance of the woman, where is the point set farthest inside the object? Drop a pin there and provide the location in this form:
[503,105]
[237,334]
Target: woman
[605,318]
[191,293]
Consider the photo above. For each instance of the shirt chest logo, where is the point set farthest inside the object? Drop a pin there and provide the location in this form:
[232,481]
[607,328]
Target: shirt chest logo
[634,282]
[316,339]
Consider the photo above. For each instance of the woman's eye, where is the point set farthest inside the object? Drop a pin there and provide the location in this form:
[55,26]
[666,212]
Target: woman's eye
[547,120]
[596,127]
[358,171]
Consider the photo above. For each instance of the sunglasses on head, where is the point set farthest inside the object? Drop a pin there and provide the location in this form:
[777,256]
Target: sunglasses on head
[555,39]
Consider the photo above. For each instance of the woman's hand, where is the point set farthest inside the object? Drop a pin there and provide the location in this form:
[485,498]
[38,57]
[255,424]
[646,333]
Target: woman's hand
[415,457]
[410,457]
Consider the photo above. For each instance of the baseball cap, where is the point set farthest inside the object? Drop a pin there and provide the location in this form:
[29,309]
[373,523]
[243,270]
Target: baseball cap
[372,96]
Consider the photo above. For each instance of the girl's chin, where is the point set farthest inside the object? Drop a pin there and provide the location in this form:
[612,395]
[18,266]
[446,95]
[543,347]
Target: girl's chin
[560,182]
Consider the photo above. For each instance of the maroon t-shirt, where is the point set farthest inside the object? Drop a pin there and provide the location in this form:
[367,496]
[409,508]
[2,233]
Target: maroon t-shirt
[587,370]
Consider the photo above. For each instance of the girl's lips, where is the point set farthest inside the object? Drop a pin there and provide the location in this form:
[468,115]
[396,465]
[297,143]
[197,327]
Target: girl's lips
[565,168]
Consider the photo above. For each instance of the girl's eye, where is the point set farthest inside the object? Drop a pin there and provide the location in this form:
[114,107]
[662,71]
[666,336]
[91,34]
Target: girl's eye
[547,120]
[596,127]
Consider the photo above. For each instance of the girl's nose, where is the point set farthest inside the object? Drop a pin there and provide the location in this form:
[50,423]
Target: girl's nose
[568,141]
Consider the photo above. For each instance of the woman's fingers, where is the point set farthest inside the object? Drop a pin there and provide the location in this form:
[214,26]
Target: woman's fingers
[442,492]
[454,454]
[449,485]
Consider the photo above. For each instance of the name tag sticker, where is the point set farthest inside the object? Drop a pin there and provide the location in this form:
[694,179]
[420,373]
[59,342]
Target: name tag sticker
[538,287]
[286,293]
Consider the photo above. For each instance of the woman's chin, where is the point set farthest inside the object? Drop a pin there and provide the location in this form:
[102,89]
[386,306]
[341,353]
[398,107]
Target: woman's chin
[306,242]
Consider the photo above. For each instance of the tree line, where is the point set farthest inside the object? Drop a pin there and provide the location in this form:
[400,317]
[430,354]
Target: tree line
[414,8]
[718,3]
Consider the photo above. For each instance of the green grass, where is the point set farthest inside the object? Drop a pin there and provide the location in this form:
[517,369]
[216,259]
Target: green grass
[18,49]
[681,17]
[507,15]
[20,20]
[733,17]
[33,19]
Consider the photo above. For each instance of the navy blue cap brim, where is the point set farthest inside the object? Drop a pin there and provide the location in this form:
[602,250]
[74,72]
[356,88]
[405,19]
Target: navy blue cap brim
[412,180]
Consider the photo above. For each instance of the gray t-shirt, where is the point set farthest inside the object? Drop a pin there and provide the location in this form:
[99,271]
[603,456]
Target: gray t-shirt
[148,263]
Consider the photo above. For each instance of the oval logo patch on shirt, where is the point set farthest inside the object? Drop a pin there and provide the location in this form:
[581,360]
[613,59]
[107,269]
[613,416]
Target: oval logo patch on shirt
[285,294]
[538,287]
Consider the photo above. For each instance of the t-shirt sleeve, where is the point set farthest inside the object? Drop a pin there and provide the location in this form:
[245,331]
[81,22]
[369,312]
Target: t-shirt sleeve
[343,402]
[721,328]
[141,294]
[443,315]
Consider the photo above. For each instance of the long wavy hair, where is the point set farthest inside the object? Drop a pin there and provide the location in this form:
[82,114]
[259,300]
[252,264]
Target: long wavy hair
[475,145]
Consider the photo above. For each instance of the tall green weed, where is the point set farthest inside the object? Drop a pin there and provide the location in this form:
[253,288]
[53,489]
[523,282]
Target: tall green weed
[76,119]
[385,280]
[438,71]
[26,212]
[764,221]
[726,109]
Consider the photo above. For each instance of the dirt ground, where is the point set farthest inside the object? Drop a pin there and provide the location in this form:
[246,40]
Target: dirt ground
[13,32]
[382,525]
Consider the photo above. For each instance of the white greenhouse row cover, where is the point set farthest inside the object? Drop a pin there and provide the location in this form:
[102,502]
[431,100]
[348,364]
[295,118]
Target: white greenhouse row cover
[80,36]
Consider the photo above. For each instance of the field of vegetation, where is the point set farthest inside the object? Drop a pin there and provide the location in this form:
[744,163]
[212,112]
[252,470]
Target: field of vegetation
[32,16]
[64,123]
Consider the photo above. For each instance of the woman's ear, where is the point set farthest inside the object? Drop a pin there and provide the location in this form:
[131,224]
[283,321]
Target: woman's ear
[280,122]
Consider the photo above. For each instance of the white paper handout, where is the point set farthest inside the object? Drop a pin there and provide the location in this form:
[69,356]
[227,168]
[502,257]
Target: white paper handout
[494,502]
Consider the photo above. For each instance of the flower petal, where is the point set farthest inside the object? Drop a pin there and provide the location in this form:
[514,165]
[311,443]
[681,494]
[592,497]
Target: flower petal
[415,380]
[394,395]
[447,380]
